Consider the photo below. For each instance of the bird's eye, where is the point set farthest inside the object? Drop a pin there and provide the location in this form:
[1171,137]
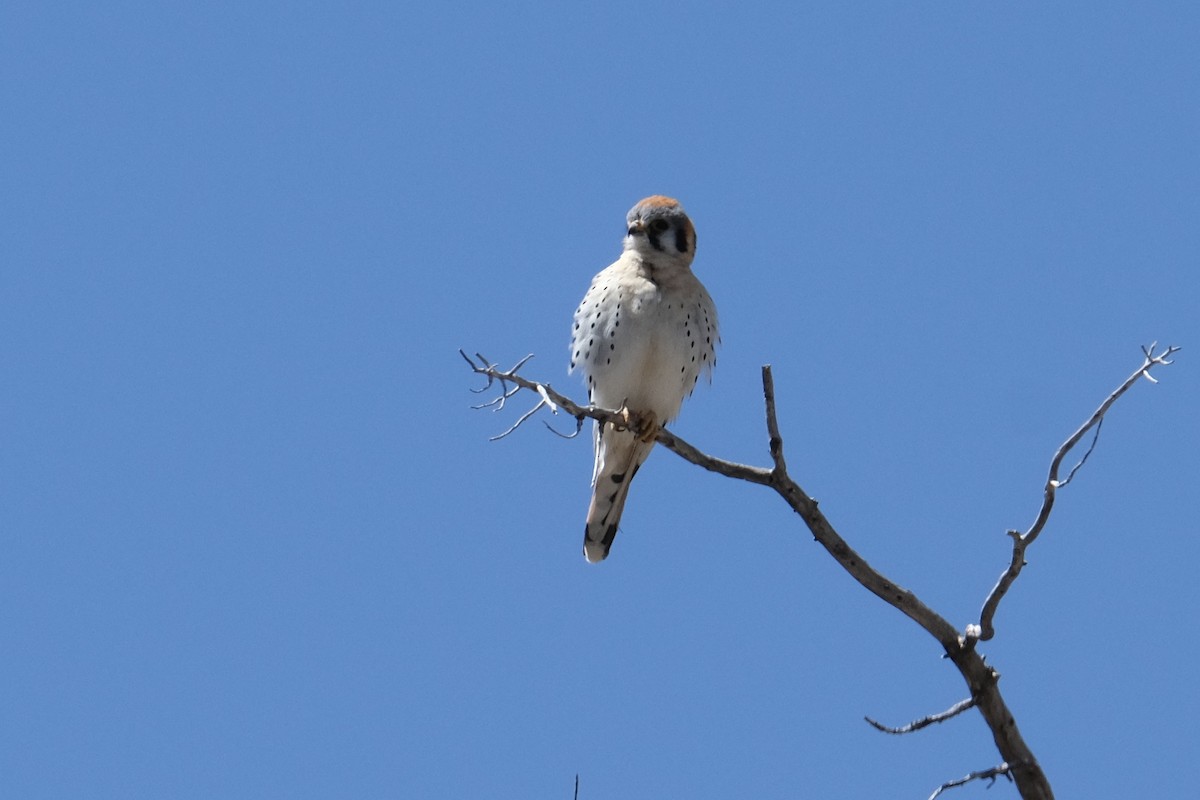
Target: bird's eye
[659,225]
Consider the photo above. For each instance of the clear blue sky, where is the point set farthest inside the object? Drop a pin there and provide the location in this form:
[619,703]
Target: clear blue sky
[257,545]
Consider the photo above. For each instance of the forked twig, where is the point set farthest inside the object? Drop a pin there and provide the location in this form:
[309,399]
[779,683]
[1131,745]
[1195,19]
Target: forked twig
[985,629]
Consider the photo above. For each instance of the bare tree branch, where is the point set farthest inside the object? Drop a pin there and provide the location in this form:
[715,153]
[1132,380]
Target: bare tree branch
[982,680]
[1021,541]
[989,774]
[730,469]
[925,722]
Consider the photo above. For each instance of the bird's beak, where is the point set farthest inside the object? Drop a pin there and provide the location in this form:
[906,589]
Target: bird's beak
[637,226]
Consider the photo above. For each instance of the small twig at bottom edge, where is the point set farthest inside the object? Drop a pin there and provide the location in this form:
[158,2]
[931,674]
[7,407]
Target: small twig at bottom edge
[989,775]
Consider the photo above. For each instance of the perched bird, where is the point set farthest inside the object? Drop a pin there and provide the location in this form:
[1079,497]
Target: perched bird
[644,333]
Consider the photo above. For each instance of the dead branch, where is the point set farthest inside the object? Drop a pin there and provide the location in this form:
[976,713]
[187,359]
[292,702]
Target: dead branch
[982,680]
[669,440]
[984,774]
[985,630]
[925,722]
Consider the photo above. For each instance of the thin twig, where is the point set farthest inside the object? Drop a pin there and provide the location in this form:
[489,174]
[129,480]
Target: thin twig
[560,434]
[985,630]
[1082,461]
[517,424]
[984,774]
[497,401]
[925,722]
[775,440]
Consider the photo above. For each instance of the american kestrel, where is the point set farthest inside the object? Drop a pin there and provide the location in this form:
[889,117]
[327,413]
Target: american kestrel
[644,333]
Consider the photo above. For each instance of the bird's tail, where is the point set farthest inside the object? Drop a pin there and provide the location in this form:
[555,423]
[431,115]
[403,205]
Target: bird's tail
[618,456]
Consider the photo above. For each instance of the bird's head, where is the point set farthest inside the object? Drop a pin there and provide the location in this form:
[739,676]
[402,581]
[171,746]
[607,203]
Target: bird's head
[657,227]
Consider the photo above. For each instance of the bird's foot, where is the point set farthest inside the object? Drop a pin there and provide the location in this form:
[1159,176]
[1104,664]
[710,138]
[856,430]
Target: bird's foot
[643,424]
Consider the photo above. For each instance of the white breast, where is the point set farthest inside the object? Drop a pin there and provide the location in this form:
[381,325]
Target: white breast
[644,338]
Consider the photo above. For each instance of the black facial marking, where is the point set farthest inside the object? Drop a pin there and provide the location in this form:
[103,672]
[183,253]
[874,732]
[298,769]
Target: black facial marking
[681,242]
[652,237]
[618,477]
